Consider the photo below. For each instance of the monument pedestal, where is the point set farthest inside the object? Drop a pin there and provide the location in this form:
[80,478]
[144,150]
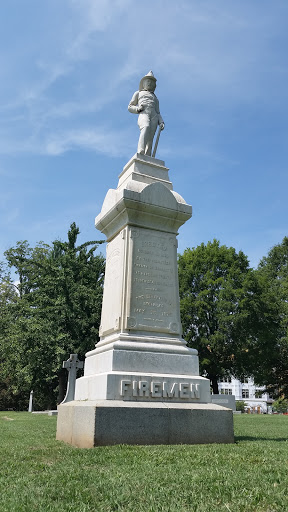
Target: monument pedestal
[141,383]
[98,423]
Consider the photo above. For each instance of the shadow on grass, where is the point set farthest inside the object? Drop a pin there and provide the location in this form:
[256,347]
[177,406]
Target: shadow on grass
[257,438]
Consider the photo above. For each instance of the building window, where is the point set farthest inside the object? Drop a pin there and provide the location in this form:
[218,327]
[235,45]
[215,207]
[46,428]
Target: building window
[226,391]
[245,393]
[258,393]
[227,379]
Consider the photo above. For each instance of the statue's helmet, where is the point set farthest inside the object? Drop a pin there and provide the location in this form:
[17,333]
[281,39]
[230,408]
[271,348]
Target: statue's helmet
[149,75]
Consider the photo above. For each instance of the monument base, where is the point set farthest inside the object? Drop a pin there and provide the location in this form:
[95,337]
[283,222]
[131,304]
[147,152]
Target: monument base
[141,383]
[109,422]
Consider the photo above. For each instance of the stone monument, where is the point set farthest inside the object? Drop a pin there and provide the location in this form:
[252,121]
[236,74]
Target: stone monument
[141,383]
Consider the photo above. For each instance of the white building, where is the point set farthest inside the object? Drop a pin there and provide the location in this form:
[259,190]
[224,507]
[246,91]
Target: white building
[255,398]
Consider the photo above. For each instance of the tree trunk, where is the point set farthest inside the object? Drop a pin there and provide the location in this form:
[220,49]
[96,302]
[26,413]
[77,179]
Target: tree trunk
[63,377]
[214,384]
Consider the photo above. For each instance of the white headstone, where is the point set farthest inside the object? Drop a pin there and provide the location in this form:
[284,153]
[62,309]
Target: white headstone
[30,408]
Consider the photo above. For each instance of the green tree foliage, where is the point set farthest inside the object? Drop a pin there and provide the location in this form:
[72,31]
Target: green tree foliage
[280,405]
[240,405]
[8,297]
[273,270]
[57,312]
[225,313]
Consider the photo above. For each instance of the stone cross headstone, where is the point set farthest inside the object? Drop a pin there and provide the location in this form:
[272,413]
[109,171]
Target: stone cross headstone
[72,365]
[30,408]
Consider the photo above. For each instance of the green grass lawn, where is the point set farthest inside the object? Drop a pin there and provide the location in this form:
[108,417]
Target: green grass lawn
[39,473]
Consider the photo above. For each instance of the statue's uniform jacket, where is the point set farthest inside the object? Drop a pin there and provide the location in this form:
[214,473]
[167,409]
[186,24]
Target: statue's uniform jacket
[148,118]
[150,113]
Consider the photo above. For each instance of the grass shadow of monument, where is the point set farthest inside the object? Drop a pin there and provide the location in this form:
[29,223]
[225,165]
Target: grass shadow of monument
[238,439]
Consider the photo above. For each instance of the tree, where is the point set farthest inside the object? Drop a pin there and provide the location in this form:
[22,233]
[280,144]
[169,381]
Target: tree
[280,405]
[58,312]
[273,270]
[8,297]
[240,406]
[225,314]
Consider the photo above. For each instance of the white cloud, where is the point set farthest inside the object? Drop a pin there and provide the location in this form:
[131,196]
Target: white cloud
[200,152]
[110,143]
[92,17]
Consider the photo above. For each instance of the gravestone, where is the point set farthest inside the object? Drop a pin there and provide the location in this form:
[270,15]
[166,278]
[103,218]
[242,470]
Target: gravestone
[30,407]
[72,365]
[224,400]
[141,383]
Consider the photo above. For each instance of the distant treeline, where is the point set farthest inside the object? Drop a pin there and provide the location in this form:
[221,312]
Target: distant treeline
[235,316]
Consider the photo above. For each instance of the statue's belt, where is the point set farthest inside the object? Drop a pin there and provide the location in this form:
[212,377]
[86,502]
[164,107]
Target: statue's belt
[149,111]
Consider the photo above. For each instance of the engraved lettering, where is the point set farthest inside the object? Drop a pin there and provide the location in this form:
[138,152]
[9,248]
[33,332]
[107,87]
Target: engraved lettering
[135,388]
[170,391]
[156,389]
[143,388]
[158,245]
[153,304]
[125,384]
[184,390]
[195,390]
[154,294]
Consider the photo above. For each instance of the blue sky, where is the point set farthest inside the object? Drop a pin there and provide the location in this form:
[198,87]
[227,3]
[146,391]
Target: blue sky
[68,71]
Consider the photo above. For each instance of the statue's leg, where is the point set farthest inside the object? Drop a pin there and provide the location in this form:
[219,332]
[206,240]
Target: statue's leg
[142,140]
[149,146]
[152,130]
[142,144]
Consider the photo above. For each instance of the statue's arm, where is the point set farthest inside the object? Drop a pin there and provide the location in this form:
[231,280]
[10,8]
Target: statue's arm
[160,119]
[161,122]
[133,105]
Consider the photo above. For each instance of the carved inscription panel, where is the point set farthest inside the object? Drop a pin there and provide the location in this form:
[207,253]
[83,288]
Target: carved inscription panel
[154,304]
[151,388]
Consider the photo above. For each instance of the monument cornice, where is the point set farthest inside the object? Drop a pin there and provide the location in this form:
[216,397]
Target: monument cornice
[155,207]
